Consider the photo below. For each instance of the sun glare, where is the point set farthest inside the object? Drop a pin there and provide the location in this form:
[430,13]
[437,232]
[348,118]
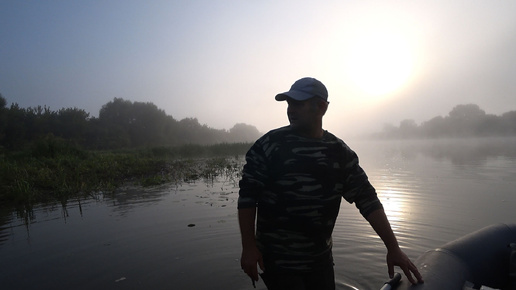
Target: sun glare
[379,63]
[372,58]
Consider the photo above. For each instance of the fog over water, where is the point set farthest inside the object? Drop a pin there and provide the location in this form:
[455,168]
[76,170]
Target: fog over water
[223,61]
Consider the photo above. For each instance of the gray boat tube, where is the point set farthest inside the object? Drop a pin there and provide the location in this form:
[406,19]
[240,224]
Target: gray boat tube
[481,258]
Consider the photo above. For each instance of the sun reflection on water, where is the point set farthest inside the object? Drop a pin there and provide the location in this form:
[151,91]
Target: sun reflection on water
[395,205]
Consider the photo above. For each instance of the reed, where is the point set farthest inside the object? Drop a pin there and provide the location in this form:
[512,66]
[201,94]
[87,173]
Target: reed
[56,170]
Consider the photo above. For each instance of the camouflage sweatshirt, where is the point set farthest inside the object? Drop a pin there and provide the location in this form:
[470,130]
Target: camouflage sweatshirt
[297,184]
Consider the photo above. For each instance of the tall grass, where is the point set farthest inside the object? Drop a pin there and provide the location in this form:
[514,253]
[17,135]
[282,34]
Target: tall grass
[53,169]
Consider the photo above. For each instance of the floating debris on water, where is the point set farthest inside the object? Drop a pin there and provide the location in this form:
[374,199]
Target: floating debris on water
[191,225]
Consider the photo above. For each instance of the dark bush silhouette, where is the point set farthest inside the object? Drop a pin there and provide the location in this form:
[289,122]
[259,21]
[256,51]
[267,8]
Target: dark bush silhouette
[121,124]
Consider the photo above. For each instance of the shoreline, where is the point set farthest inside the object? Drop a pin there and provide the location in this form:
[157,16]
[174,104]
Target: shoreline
[30,177]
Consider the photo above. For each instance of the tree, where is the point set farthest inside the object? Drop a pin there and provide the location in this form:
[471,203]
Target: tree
[3,118]
[116,112]
[467,112]
[72,123]
[434,127]
[148,124]
[243,133]
[3,102]
[140,124]
[408,128]
[40,122]
[489,125]
[15,127]
[114,120]
[508,122]
[463,120]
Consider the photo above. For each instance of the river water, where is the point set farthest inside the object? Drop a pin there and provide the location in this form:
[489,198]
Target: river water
[185,236]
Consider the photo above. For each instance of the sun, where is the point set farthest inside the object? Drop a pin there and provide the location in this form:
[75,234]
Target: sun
[379,62]
[371,60]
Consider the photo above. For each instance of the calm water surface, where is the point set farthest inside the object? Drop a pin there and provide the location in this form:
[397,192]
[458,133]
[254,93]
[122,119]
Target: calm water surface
[433,192]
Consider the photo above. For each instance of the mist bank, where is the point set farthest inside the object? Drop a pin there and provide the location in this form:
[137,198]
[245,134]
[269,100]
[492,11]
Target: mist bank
[463,121]
[121,124]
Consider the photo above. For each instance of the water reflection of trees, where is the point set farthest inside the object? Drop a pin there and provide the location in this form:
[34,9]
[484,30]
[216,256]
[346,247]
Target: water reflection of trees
[465,151]
[472,151]
[5,220]
[24,213]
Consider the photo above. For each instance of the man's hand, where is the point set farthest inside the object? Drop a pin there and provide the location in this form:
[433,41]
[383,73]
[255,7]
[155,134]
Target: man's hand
[398,258]
[395,256]
[251,256]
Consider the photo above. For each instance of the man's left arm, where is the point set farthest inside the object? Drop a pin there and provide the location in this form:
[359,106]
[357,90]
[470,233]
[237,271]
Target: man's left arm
[395,256]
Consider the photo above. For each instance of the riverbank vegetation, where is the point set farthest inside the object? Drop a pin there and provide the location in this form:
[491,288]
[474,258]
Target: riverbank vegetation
[48,155]
[54,169]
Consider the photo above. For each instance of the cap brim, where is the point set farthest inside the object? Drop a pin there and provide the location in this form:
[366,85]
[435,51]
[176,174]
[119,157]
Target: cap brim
[298,96]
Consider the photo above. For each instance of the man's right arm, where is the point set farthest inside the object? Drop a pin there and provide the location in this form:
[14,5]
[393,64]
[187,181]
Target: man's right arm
[251,186]
[251,256]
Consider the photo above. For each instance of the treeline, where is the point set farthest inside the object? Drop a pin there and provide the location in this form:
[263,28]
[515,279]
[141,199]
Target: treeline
[462,121]
[121,124]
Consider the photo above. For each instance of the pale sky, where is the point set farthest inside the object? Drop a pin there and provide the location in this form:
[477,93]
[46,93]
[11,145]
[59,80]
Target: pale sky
[224,61]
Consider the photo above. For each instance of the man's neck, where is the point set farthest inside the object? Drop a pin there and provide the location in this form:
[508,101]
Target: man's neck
[315,133]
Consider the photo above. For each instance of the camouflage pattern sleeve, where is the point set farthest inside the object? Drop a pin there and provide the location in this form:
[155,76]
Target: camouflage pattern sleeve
[357,188]
[254,176]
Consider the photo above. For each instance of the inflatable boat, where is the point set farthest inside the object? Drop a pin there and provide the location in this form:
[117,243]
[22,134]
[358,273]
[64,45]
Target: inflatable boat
[485,259]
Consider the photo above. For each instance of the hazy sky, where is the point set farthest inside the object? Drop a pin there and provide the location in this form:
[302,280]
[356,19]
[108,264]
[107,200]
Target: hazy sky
[224,61]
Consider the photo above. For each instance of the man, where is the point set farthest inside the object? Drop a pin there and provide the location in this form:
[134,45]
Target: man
[291,188]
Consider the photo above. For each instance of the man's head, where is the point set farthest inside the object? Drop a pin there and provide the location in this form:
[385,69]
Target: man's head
[304,89]
[307,104]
